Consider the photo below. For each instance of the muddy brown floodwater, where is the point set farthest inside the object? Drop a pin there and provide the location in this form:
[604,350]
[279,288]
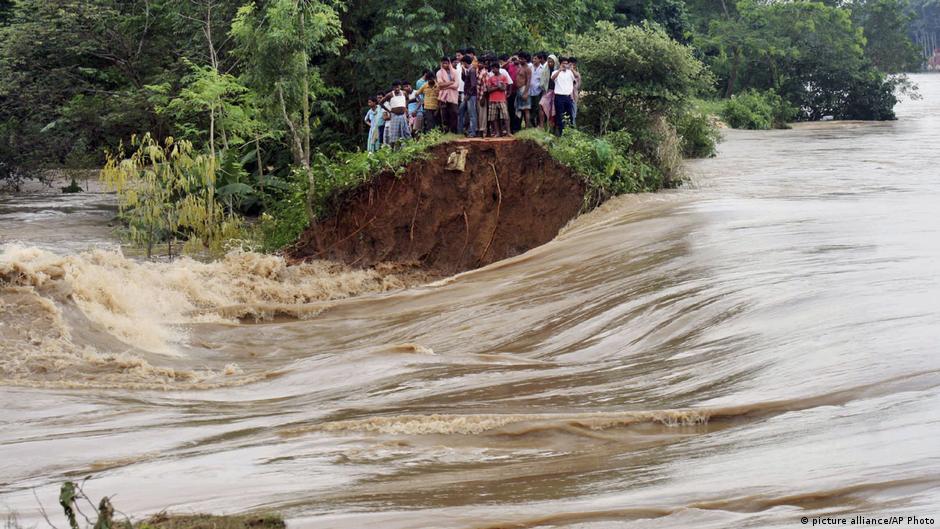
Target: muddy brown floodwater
[757,347]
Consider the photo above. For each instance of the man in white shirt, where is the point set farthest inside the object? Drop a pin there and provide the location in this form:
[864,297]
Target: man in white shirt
[461,97]
[564,90]
[535,89]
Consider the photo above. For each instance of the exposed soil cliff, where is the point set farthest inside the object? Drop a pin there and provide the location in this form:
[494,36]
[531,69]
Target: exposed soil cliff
[471,203]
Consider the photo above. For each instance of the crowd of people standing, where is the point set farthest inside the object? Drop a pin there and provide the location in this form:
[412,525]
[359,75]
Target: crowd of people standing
[483,97]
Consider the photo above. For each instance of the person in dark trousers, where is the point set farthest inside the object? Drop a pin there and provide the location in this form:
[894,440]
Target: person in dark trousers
[384,110]
[564,91]
[431,110]
[470,89]
[576,97]
[523,82]
[447,94]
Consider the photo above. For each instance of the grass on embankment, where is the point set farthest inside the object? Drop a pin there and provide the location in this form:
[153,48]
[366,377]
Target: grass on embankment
[347,170]
[206,521]
[750,109]
[613,164]
[282,225]
[609,164]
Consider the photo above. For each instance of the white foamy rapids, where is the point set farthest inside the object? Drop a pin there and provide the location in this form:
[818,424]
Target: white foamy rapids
[439,424]
[147,306]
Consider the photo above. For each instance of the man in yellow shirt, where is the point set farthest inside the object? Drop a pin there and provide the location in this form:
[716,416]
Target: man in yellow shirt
[431,105]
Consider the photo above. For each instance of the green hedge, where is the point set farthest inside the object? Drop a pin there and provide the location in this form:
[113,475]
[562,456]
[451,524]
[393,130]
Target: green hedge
[756,110]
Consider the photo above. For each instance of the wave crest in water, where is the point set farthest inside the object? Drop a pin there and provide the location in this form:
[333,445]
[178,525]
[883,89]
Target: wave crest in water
[482,423]
[137,311]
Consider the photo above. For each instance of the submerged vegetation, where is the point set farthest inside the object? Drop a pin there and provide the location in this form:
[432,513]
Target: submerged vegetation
[168,188]
[72,497]
[219,121]
[753,109]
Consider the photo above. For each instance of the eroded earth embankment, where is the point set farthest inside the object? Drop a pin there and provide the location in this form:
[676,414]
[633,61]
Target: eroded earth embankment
[469,204]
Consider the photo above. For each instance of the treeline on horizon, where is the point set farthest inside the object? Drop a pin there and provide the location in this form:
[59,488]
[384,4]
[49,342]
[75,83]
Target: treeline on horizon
[264,90]
[77,77]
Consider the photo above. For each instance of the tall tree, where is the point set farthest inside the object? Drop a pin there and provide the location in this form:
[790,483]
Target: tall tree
[810,53]
[885,24]
[670,14]
[280,43]
[94,60]
[925,26]
[6,11]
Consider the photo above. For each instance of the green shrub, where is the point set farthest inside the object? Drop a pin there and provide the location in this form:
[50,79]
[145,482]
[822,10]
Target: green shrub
[757,110]
[286,217]
[698,133]
[631,73]
[167,189]
[608,164]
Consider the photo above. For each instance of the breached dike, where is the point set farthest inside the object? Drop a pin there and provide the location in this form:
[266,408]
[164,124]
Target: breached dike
[98,319]
[469,204]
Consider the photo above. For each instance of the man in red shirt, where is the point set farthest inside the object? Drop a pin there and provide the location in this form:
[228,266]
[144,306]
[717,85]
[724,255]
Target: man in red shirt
[497,86]
[509,66]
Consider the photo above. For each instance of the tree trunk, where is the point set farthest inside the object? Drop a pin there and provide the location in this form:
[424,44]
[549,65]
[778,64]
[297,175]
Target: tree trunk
[306,91]
[296,145]
[212,131]
[258,161]
[214,59]
[733,78]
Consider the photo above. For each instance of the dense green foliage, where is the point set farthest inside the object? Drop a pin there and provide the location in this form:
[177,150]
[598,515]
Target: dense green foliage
[77,76]
[757,110]
[608,163]
[271,90]
[698,134]
[635,72]
[810,53]
[670,14]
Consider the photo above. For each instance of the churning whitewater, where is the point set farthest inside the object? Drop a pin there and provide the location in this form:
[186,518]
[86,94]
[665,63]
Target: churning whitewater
[754,348]
[90,319]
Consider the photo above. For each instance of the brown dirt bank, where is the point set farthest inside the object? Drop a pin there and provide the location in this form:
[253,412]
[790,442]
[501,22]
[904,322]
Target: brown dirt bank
[511,196]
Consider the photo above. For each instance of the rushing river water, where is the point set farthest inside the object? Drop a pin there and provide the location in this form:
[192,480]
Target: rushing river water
[756,348]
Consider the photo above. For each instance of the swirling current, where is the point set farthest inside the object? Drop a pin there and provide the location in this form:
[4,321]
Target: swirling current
[760,345]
